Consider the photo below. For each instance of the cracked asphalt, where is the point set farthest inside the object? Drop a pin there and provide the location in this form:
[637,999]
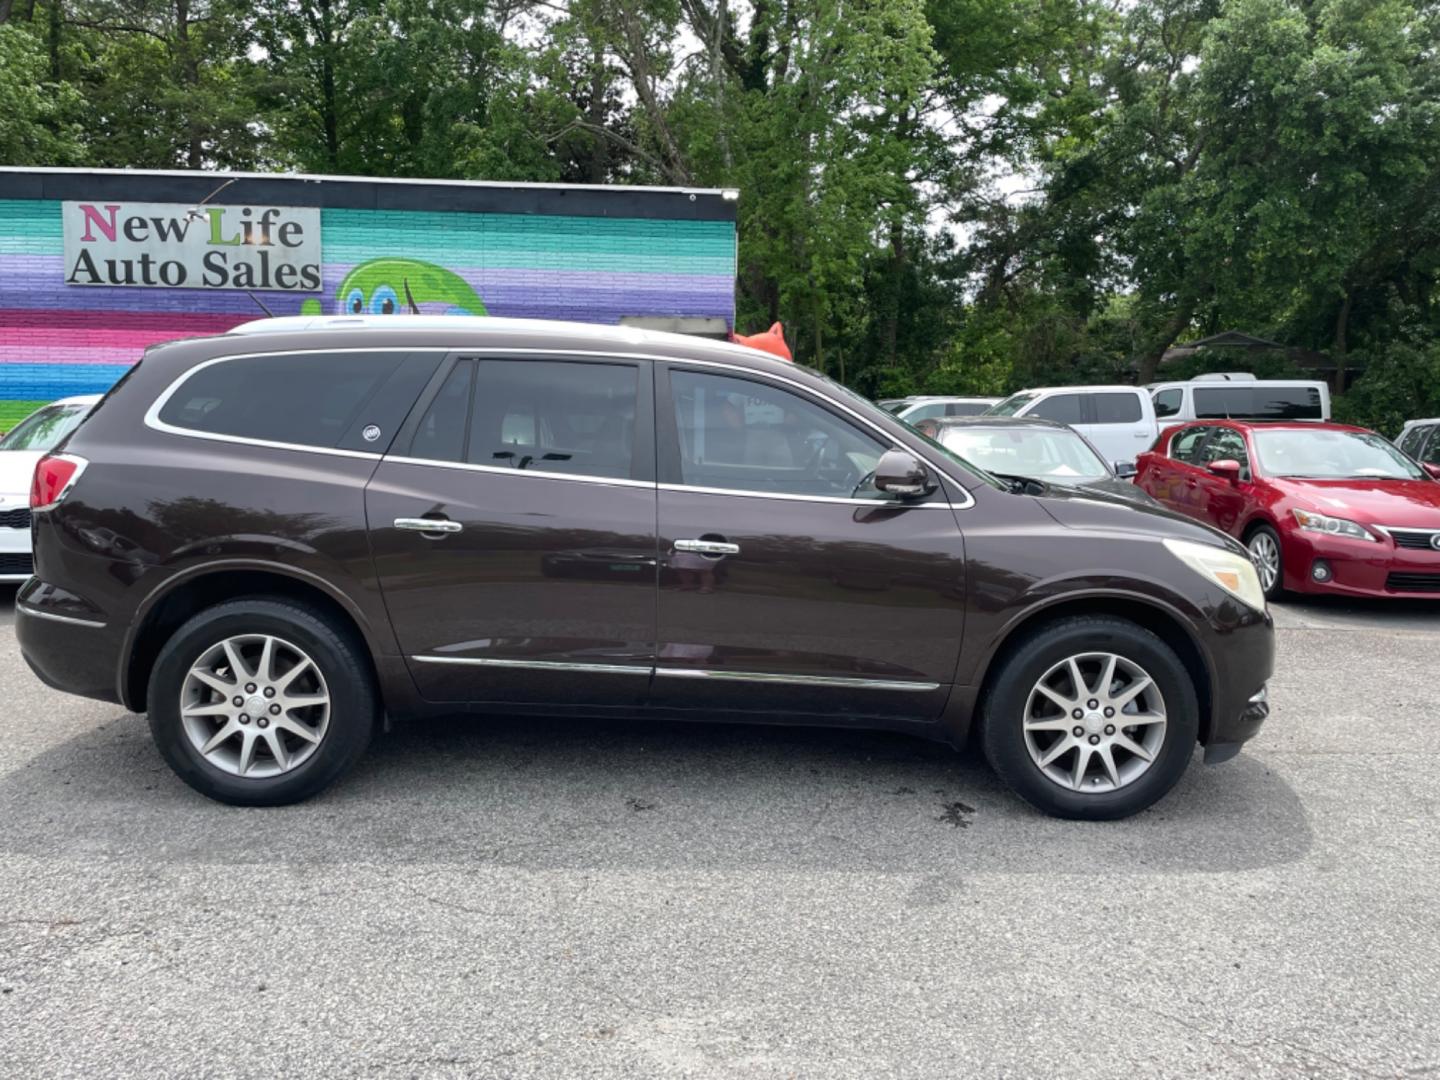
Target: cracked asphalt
[525,899]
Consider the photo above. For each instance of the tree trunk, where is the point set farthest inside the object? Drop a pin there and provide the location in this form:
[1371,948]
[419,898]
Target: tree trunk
[6,6]
[597,169]
[190,77]
[898,256]
[1342,326]
[1149,360]
[819,337]
[52,40]
[328,105]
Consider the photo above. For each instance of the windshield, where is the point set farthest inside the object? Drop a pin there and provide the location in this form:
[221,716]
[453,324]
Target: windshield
[1011,405]
[43,429]
[1041,453]
[1332,455]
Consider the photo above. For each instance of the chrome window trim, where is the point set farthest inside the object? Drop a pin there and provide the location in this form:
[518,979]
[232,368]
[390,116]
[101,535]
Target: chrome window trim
[881,504]
[537,665]
[153,421]
[797,680]
[71,619]
[540,474]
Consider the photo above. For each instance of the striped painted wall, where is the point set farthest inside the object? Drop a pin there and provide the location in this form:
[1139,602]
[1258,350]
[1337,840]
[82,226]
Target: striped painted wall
[58,339]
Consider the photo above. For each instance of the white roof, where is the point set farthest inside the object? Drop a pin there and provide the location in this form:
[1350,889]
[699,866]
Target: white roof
[1081,389]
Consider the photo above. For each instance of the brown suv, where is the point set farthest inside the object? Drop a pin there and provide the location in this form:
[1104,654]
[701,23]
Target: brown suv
[272,539]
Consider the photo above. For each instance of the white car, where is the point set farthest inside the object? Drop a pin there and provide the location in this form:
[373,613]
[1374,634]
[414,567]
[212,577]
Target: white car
[1119,420]
[27,442]
[932,408]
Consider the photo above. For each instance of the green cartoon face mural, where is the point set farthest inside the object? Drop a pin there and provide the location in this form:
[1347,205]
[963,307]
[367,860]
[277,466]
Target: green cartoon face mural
[400,286]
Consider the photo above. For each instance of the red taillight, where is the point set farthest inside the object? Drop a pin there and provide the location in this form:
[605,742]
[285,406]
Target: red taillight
[54,477]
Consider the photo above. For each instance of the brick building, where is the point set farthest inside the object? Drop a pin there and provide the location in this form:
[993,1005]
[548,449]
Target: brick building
[97,264]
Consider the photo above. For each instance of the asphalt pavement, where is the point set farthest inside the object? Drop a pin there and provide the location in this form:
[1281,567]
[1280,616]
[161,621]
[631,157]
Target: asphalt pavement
[628,899]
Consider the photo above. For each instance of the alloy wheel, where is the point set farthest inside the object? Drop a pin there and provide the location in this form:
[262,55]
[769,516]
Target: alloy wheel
[255,705]
[1095,722]
[1265,554]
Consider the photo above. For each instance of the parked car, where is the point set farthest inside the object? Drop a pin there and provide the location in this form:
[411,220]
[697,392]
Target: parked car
[315,523]
[24,445]
[1118,420]
[892,404]
[1323,508]
[1243,399]
[1028,450]
[1421,440]
[931,408]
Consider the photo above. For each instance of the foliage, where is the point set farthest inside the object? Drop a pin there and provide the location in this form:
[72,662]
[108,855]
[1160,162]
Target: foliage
[959,195]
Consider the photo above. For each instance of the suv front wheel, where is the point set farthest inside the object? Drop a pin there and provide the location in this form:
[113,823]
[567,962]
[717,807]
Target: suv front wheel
[1093,718]
[261,702]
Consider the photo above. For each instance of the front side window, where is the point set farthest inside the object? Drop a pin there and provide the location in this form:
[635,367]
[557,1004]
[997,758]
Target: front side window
[307,399]
[1185,445]
[1012,404]
[43,430]
[1062,408]
[1324,454]
[1168,402]
[1228,443]
[741,435]
[1117,408]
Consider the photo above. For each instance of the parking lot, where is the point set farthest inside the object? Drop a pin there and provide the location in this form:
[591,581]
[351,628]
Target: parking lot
[629,899]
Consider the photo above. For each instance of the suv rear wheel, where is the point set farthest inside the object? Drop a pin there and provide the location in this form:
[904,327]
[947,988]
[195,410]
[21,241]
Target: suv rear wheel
[1093,718]
[261,702]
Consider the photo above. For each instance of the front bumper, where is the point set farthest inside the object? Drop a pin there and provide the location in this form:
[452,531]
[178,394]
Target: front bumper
[16,563]
[1243,657]
[1359,567]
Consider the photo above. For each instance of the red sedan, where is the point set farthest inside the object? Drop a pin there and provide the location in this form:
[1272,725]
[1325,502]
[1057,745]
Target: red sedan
[1323,508]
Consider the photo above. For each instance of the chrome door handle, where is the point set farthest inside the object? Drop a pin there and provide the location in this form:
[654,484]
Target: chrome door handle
[707,547]
[429,525]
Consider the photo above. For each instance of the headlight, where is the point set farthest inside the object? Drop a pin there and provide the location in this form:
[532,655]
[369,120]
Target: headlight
[1332,526]
[1233,573]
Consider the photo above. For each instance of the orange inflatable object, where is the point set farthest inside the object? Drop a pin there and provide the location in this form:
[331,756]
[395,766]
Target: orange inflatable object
[771,341]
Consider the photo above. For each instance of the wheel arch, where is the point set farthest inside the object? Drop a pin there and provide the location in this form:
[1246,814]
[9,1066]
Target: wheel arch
[183,596]
[1161,620]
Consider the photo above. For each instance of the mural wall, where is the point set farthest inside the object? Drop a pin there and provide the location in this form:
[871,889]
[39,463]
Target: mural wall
[58,339]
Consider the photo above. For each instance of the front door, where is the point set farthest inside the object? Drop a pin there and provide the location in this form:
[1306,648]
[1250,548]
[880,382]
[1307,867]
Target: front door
[788,583]
[1222,503]
[513,532]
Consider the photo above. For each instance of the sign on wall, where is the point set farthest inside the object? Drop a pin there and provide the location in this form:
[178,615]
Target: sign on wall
[178,246]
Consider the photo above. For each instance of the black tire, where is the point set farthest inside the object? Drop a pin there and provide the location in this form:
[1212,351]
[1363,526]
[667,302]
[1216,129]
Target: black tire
[1002,735]
[335,650]
[1277,588]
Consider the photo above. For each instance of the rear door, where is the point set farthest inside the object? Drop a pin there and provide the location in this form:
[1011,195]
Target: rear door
[1118,423]
[787,582]
[513,531]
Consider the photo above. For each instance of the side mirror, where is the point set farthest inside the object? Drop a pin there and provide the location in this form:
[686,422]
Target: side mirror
[902,474]
[1228,468]
[1125,469]
[1433,470]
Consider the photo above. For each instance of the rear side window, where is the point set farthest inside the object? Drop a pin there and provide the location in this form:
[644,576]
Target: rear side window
[965,408]
[1413,440]
[541,415]
[1430,453]
[1257,402]
[1185,446]
[307,399]
[1168,402]
[1062,408]
[1117,408]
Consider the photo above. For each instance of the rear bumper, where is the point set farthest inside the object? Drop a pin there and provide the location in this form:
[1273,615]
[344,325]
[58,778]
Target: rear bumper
[68,648]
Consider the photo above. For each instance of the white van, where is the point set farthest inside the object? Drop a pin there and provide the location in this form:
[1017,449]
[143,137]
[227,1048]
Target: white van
[1118,420]
[1248,399]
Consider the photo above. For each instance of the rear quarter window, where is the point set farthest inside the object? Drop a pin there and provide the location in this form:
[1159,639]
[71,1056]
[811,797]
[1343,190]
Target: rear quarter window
[1258,402]
[305,399]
